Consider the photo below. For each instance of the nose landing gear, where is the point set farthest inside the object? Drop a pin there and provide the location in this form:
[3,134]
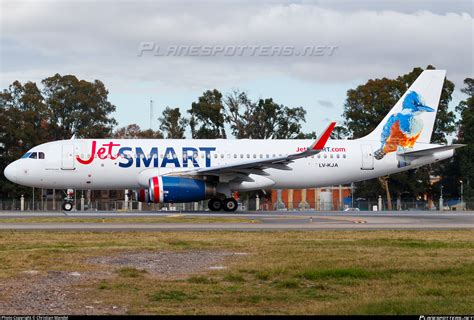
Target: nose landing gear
[67,206]
[68,203]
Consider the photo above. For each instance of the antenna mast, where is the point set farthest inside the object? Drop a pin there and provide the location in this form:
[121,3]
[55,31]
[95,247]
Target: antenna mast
[151,114]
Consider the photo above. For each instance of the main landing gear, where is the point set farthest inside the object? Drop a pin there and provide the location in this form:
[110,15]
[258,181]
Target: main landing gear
[228,204]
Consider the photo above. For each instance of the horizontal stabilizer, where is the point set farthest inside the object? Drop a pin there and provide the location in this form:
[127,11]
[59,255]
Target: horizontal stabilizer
[429,151]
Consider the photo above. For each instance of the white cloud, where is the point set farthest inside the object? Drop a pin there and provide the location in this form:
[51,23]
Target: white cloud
[99,40]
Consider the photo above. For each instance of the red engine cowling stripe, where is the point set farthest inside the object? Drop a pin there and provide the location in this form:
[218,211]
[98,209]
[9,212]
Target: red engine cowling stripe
[156,190]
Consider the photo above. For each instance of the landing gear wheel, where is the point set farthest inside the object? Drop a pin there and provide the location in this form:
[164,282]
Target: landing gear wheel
[67,206]
[215,204]
[230,204]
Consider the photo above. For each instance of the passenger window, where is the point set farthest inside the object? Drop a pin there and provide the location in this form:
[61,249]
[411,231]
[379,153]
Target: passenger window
[34,155]
[325,156]
[215,155]
[235,156]
[331,156]
[319,156]
[222,156]
[254,155]
[268,156]
[344,156]
[241,156]
[337,156]
[248,156]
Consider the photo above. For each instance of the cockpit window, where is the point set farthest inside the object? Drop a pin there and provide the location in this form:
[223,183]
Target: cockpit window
[33,155]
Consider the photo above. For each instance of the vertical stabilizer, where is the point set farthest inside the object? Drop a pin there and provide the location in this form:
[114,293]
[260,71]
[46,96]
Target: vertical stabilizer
[412,118]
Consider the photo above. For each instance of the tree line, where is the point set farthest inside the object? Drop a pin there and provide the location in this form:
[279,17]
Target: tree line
[64,107]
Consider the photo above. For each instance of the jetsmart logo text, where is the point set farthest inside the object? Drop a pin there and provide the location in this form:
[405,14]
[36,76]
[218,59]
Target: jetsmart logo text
[128,156]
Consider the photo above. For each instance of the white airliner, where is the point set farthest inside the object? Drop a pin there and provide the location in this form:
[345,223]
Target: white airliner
[193,170]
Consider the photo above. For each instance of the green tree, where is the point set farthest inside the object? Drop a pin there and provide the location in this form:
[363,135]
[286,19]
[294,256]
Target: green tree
[151,134]
[465,155]
[365,108]
[173,124]
[339,132]
[264,119]
[24,123]
[133,131]
[65,106]
[78,108]
[207,116]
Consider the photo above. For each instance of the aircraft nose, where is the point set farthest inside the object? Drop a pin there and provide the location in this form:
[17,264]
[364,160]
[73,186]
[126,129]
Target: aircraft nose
[10,172]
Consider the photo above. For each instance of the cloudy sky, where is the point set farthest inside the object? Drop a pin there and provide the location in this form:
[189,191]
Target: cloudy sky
[330,47]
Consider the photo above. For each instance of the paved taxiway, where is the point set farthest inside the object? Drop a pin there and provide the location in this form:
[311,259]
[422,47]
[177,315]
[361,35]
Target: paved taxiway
[287,220]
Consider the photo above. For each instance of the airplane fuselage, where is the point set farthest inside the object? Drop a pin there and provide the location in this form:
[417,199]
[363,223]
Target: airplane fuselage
[121,164]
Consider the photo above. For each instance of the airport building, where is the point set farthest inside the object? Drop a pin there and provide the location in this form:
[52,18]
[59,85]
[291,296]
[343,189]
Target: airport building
[325,199]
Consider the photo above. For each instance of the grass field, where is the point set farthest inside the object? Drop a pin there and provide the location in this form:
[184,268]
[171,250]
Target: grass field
[323,272]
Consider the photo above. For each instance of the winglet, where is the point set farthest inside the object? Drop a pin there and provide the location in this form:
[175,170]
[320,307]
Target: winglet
[321,141]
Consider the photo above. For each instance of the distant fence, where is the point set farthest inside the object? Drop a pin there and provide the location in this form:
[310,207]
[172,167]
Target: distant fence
[251,204]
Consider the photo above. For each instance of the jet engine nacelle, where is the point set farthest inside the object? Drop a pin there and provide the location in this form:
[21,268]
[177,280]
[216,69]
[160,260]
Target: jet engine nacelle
[176,189]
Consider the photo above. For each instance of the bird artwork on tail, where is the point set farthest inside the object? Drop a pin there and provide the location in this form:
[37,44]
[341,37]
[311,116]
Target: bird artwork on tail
[403,128]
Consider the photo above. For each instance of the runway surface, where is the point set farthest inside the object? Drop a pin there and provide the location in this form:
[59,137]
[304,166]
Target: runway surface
[251,221]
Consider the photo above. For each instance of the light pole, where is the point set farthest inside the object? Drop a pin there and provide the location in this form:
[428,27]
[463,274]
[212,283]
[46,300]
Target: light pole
[352,195]
[441,205]
[462,204]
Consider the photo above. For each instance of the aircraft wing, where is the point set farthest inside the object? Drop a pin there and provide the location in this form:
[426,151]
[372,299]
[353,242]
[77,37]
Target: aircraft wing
[429,151]
[257,166]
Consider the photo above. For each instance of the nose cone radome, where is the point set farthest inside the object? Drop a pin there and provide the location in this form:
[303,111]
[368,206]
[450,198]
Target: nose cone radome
[10,172]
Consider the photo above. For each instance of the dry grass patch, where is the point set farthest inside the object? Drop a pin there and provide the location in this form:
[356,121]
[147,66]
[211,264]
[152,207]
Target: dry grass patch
[329,272]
